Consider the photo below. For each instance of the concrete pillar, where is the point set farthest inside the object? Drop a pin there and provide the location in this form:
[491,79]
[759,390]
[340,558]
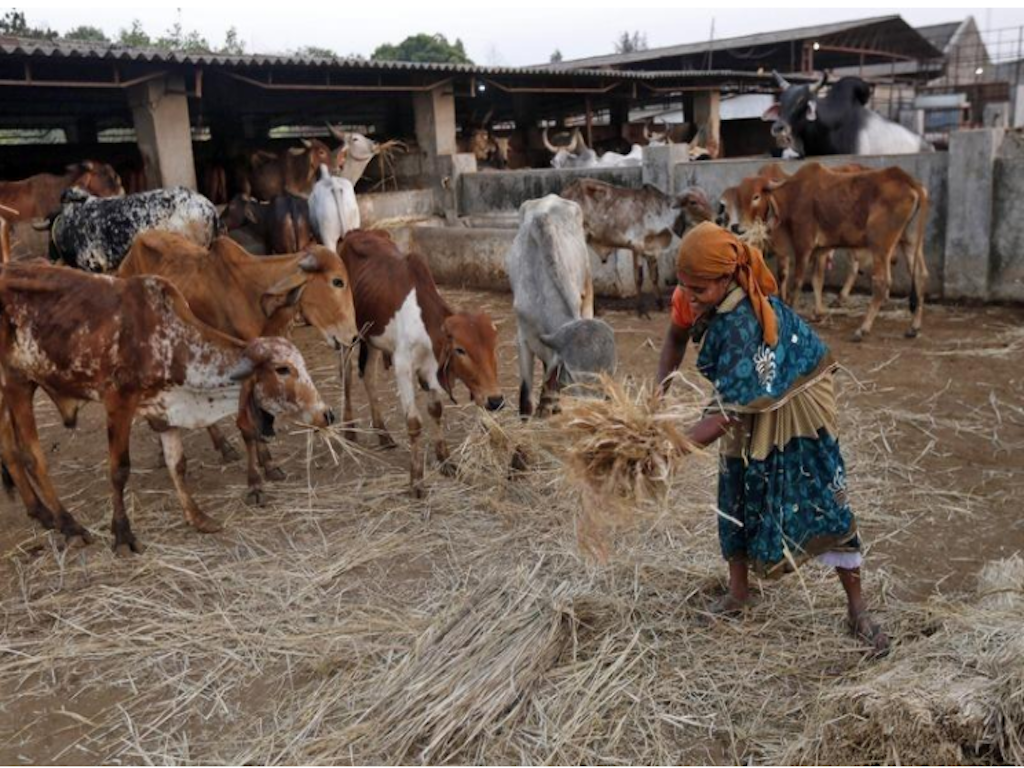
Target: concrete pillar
[659,165]
[448,169]
[160,111]
[969,222]
[706,109]
[434,115]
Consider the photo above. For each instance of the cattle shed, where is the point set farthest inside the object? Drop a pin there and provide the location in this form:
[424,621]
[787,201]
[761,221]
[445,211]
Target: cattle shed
[160,113]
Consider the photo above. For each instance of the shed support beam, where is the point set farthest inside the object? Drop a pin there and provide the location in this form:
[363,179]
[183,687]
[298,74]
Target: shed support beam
[434,115]
[706,116]
[160,112]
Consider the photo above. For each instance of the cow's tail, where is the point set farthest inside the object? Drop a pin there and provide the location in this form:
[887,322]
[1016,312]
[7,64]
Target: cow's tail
[918,265]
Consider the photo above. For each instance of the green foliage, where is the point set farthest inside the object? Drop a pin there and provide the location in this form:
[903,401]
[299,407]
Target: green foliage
[233,46]
[176,39]
[556,56]
[135,37]
[629,43]
[14,23]
[316,52]
[424,47]
[88,33]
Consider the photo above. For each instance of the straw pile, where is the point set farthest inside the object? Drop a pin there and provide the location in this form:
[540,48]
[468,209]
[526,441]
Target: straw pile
[954,696]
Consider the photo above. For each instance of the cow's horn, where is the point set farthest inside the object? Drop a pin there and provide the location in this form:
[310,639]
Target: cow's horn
[647,129]
[782,82]
[336,133]
[821,81]
[574,143]
[309,263]
[41,225]
[547,143]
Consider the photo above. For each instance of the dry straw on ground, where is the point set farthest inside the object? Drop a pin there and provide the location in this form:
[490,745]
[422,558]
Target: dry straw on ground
[347,622]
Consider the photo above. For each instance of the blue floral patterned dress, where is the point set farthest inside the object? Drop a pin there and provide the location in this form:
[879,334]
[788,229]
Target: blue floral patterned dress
[782,483]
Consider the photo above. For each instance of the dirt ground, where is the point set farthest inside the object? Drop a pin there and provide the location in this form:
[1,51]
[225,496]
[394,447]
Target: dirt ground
[951,405]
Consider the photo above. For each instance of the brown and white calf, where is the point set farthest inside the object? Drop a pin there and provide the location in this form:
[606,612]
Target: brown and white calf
[136,347]
[246,296]
[403,315]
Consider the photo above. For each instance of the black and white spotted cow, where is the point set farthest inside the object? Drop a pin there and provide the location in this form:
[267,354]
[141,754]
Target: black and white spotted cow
[95,234]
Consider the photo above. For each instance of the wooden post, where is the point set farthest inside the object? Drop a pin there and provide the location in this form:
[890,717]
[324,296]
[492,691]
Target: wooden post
[160,112]
[706,114]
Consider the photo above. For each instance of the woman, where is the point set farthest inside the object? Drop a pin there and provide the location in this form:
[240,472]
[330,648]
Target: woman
[782,483]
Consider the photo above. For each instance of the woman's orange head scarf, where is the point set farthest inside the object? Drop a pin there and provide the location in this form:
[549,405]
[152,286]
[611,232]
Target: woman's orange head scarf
[709,252]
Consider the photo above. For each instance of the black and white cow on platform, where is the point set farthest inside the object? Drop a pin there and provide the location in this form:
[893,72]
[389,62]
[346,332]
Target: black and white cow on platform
[553,296]
[95,234]
[839,123]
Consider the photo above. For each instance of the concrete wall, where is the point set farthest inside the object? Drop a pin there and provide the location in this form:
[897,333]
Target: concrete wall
[484,193]
[1006,276]
[411,204]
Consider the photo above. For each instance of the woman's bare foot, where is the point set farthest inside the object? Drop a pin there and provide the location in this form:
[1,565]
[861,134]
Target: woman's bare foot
[869,632]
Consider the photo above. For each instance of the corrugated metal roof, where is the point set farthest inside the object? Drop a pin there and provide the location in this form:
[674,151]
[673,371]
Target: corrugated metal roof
[745,41]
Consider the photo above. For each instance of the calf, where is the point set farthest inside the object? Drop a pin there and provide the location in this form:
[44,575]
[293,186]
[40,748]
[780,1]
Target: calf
[136,347]
[248,297]
[552,289]
[642,220]
[95,235]
[282,225]
[403,315]
[817,210]
[333,211]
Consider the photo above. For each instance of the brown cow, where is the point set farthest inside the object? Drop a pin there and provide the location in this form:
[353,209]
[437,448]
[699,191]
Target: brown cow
[729,204]
[293,171]
[404,316]
[247,297]
[817,209]
[282,224]
[136,347]
[39,196]
[642,220]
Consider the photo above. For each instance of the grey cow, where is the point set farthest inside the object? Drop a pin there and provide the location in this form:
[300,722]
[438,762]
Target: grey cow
[553,297]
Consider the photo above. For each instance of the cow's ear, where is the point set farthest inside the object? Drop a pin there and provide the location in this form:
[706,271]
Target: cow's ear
[250,213]
[285,293]
[771,114]
[772,217]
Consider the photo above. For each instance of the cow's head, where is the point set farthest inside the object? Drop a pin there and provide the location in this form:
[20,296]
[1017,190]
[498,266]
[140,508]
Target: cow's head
[96,178]
[317,153]
[240,211]
[572,154]
[796,109]
[583,350]
[502,146]
[693,207]
[352,145]
[656,137]
[275,382]
[470,354]
[753,201]
[319,288]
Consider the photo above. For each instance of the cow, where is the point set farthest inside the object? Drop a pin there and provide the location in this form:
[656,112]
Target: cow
[333,211]
[354,154]
[576,154]
[136,347]
[656,138]
[38,196]
[641,220]
[280,226]
[837,124]
[553,296]
[817,209]
[247,297]
[293,171]
[402,315]
[94,234]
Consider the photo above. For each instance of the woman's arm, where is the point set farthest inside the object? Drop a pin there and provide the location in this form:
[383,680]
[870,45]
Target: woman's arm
[709,429]
[673,350]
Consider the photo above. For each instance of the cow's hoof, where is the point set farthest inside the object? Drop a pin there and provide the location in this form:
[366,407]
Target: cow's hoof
[838,303]
[520,462]
[858,335]
[912,333]
[255,497]
[129,547]
[205,524]
[275,474]
[229,454]
[76,540]
[447,468]
[387,442]
[349,433]
[418,491]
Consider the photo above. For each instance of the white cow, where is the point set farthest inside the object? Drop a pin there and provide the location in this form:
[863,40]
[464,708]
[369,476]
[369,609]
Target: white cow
[333,211]
[553,296]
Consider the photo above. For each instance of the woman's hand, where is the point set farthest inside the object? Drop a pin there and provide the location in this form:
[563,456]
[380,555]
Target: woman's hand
[709,429]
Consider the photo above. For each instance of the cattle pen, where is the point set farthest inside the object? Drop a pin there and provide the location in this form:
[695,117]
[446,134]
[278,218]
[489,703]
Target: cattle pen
[504,606]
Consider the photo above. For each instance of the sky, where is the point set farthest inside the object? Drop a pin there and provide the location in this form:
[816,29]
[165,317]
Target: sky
[496,33]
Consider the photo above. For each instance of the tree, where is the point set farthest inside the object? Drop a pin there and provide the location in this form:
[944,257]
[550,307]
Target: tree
[630,43]
[135,37]
[316,52]
[176,39]
[233,46]
[14,23]
[556,56]
[88,33]
[424,47]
